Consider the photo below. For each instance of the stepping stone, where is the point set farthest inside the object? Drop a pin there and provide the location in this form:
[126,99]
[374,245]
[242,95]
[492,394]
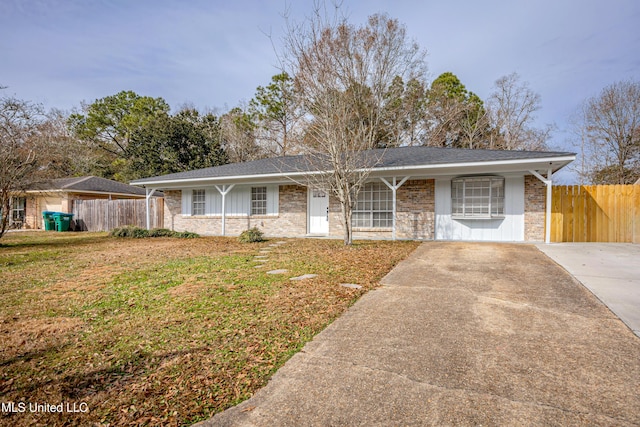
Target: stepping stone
[274,245]
[350,285]
[260,256]
[258,266]
[277,271]
[265,251]
[304,276]
[262,260]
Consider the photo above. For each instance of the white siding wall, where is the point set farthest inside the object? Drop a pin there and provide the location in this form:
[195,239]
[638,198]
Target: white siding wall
[237,202]
[507,229]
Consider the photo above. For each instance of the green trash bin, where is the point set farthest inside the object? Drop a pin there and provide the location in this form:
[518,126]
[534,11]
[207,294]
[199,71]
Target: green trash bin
[62,220]
[48,221]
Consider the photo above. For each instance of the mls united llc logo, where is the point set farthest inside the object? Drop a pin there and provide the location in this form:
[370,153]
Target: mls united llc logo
[65,407]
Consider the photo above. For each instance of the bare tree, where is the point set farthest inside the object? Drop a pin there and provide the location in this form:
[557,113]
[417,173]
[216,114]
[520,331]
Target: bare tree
[63,154]
[19,121]
[608,129]
[475,127]
[238,134]
[414,108]
[342,74]
[511,108]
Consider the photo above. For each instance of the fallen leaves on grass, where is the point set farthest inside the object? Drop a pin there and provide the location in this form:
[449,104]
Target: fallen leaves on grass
[169,331]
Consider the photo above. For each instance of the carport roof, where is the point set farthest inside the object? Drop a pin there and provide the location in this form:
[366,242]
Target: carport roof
[388,160]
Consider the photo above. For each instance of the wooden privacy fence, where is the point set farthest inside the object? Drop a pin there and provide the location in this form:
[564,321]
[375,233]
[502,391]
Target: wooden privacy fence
[105,215]
[596,213]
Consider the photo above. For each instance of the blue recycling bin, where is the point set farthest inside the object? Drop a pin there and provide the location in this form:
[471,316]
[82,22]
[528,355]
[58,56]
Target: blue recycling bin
[48,221]
[62,221]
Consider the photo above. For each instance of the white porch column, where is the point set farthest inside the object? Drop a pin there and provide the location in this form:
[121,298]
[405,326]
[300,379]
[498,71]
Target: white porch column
[549,183]
[223,190]
[149,192]
[394,187]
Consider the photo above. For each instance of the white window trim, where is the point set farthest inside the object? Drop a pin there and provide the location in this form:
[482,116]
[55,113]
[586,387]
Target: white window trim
[238,201]
[489,214]
[264,190]
[18,209]
[389,201]
[203,202]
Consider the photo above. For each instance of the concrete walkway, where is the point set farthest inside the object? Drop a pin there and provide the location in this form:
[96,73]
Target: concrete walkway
[460,334]
[610,270]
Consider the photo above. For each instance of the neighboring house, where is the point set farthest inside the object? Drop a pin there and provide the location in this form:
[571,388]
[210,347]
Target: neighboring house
[57,195]
[413,193]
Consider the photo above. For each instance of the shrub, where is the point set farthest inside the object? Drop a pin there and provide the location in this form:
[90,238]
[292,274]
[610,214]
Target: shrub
[162,232]
[187,235]
[130,231]
[251,235]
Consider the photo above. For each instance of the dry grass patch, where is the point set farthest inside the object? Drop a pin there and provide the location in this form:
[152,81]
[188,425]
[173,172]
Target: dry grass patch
[163,331]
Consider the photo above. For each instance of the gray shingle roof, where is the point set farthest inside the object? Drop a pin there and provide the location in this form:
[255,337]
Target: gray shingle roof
[389,158]
[92,184]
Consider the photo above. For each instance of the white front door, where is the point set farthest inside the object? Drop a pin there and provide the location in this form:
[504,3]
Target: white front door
[318,212]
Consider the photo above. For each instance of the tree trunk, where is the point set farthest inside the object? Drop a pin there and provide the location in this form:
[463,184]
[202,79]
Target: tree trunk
[5,211]
[346,223]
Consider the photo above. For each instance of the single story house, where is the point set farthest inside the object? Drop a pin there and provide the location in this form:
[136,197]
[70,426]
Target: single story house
[421,193]
[57,195]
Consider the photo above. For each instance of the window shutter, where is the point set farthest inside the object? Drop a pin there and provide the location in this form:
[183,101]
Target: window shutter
[186,202]
[272,199]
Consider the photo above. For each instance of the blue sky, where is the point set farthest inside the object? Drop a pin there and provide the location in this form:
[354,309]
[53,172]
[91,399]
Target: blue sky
[213,54]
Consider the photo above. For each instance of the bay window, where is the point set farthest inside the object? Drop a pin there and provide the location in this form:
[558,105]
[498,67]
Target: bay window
[477,197]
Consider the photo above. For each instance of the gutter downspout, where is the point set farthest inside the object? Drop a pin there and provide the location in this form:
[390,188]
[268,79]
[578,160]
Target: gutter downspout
[394,188]
[223,192]
[548,182]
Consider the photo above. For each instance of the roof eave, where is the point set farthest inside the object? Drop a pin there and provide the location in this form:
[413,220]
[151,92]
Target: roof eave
[555,163]
[67,190]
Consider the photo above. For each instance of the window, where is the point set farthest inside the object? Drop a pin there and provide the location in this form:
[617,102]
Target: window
[374,208]
[477,197]
[18,205]
[197,202]
[258,200]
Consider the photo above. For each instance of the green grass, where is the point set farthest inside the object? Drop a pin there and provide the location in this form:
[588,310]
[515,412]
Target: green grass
[163,331]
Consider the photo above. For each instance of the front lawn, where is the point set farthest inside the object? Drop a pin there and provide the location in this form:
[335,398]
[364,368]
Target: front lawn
[162,331]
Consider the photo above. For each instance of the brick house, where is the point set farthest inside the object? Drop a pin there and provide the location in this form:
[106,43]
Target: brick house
[59,194]
[422,193]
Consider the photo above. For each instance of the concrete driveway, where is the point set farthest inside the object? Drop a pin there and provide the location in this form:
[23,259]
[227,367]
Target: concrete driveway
[610,270]
[461,334]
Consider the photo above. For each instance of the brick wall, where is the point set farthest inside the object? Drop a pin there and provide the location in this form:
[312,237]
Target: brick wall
[291,220]
[415,214]
[534,209]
